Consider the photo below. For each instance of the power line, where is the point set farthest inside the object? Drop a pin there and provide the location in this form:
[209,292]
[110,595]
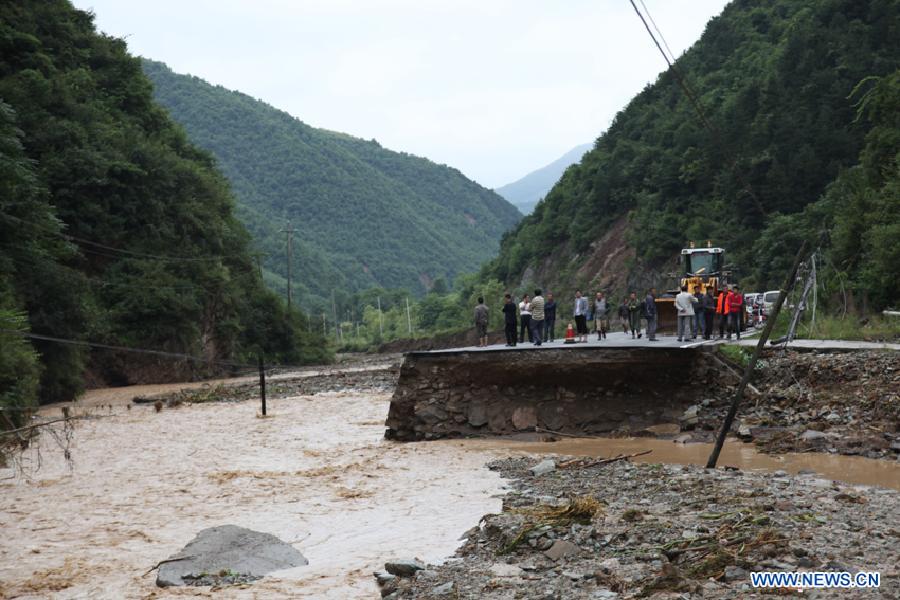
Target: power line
[77,276]
[129,253]
[163,353]
[652,22]
[682,81]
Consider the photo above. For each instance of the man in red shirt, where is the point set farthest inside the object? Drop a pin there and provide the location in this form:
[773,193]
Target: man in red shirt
[734,306]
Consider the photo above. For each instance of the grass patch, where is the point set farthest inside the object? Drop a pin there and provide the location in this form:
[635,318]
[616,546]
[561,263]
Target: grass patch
[849,327]
[577,510]
[737,355]
[876,328]
[631,515]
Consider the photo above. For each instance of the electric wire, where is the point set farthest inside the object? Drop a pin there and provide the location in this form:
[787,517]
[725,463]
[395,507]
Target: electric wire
[128,253]
[163,353]
[692,96]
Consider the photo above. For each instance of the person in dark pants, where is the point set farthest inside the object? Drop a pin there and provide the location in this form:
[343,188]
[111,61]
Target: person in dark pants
[509,320]
[549,317]
[525,318]
[634,315]
[709,313]
[735,302]
[650,314]
[580,314]
[721,313]
[699,313]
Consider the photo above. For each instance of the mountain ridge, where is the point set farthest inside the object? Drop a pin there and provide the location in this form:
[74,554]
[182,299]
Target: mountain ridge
[368,216]
[524,193]
[788,87]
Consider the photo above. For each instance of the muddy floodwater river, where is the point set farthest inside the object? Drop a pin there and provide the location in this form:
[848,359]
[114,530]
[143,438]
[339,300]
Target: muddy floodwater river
[316,473]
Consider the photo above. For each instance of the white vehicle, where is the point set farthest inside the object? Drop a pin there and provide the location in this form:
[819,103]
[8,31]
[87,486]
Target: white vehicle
[769,300]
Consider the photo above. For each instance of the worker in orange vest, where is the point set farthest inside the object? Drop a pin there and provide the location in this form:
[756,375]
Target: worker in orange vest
[721,313]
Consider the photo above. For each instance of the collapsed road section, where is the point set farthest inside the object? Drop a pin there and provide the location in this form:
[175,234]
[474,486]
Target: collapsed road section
[570,390]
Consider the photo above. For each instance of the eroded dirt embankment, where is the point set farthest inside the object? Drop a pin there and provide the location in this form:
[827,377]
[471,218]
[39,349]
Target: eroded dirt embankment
[836,402]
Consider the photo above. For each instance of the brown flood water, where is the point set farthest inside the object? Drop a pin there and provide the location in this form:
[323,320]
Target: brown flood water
[317,473]
[848,469]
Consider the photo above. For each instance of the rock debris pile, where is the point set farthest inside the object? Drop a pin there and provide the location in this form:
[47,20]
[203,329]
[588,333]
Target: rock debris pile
[845,403]
[622,530]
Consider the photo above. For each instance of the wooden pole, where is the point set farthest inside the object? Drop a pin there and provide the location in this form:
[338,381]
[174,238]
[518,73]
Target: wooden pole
[262,384]
[748,371]
[290,254]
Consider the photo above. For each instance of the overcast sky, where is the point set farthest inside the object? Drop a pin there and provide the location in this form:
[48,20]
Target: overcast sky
[495,88]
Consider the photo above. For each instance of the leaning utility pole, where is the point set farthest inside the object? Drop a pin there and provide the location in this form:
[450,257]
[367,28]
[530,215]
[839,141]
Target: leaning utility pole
[748,370]
[290,252]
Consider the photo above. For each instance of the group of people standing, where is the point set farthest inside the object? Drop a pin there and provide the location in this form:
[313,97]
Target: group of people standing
[535,317]
[700,312]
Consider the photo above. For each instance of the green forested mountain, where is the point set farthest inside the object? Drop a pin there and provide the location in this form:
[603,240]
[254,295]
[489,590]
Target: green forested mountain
[527,191]
[113,227]
[366,216]
[797,94]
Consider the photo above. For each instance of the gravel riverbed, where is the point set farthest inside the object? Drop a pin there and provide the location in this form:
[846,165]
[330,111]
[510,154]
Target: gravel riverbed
[623,530]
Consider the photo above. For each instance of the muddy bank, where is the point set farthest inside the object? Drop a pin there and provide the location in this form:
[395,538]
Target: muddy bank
[622,530]
[839,402]
[370,378]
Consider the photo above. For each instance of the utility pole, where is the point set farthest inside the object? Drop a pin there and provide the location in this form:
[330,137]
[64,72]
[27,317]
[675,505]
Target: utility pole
[337,334]
[324,330]
[408,318]
[290,252]
[380,319]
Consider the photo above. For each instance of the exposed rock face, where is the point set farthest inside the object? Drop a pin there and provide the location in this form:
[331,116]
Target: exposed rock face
[228,554]
[577,390]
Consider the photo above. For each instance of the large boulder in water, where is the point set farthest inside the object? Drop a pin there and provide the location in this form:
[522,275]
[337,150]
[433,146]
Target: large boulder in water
[228,554]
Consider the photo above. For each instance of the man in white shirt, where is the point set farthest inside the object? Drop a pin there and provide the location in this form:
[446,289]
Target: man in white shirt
[684,306]
[525,319]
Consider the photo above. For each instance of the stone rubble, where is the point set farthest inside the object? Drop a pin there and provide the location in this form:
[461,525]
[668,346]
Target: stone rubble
[663,531]
[835,402]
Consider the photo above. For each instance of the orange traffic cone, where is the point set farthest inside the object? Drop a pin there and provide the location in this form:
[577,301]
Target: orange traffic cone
[570,334]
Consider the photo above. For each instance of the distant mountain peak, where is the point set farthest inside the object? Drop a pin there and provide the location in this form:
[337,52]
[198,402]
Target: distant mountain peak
[526,192]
